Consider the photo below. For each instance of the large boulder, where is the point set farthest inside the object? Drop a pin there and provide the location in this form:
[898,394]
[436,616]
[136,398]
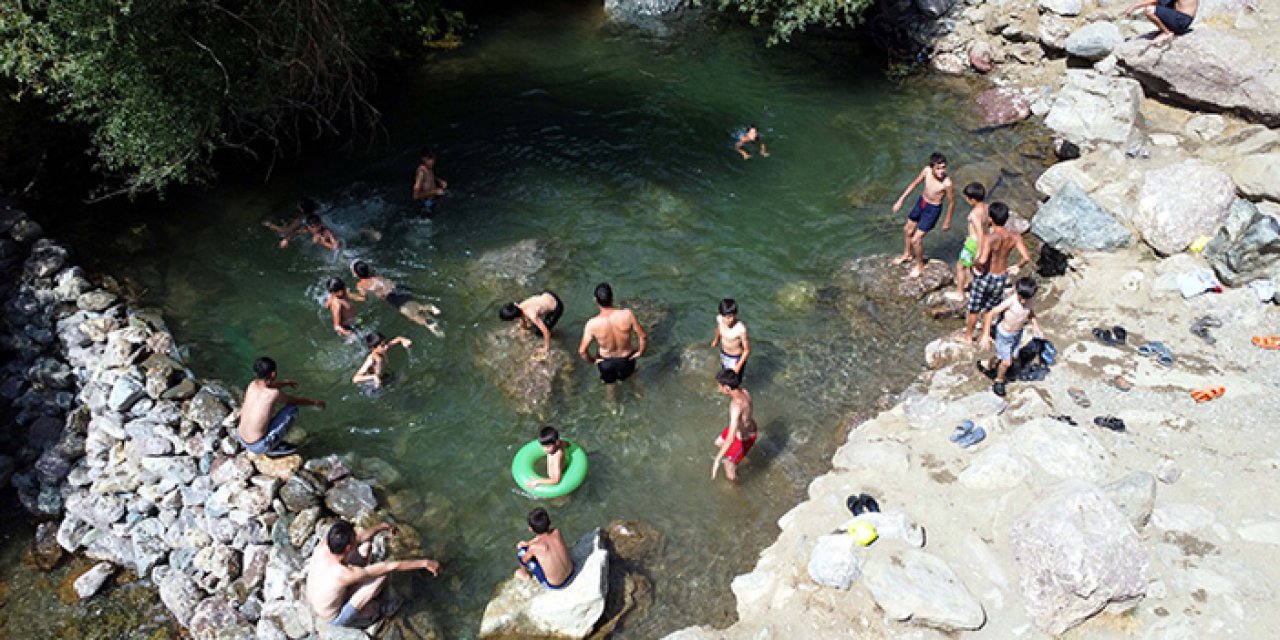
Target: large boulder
[1094,107]
[1072,220]
[836,561]
[921,587]
[1076,553]
[526,378]
[1062,452]
[1180,203]
[524,608]
[513,267]
[1255,176]
[1094,41]
[1210,70]
[1004,105]
[1246,247]
[1062,7]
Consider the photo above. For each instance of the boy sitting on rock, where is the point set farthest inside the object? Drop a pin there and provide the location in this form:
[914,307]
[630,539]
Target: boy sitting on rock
[545,557]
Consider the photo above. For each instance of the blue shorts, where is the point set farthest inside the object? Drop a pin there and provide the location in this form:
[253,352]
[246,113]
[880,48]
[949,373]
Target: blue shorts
[1006,343]
[275,431]
[1177,21]
[349,617]
[925,215]
[535,569]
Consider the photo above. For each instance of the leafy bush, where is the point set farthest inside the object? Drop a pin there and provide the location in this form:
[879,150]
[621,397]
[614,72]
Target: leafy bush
[786,17]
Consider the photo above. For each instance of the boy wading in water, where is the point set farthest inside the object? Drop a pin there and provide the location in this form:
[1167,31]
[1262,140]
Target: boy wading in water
[750,136]
[542,312]
[343,309]
[1017,312]
[991,267]
[974,194]
[370,283]
[737,438]
[545,558]
[341,584]
[549,438]
[612,330]
[1171,17]
[428,188]
[731,335]
[924,215]
[370,372]
[259,431]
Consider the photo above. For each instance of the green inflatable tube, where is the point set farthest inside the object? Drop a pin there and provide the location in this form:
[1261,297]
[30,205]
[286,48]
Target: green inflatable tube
[571,476]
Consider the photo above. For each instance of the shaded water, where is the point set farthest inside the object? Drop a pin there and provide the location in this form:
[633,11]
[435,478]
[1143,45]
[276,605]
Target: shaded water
[613,148]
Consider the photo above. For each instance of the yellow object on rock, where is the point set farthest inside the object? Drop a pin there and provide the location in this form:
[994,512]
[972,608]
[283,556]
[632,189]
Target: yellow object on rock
[1198,244]
[862,531]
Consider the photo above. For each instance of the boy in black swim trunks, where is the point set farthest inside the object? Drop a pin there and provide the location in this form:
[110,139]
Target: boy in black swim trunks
[1172,17]
[542,312]
[924,215]
[612,330]
[369,282]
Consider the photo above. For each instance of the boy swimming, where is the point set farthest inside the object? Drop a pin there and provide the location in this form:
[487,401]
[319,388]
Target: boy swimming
[417,312]
[750,136]
[320,234]
[370,373]
[343,309]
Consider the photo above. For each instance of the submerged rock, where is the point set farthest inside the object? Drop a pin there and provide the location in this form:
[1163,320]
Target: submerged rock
[514,266]
[524,608]
[877,277]
[526,379]
[45,550]
[633,540]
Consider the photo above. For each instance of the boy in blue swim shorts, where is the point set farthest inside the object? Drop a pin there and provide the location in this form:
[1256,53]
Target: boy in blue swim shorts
[1171,17]
[545,558]
[924,215]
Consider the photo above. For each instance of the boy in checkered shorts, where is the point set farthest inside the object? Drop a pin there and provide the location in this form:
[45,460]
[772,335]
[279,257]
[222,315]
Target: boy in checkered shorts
[991,268]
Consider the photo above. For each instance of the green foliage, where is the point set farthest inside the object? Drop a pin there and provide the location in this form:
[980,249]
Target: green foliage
[160,85]
[786,17]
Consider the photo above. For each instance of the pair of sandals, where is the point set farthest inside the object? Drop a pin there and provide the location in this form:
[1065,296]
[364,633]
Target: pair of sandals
[860,503]
[1113,337]
[1266,342]
[1158,349]
[1109,422]
[1200,328]
[1208,393]
[967,434]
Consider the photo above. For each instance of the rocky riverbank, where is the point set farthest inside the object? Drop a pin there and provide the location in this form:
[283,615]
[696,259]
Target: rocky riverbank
[1053,524]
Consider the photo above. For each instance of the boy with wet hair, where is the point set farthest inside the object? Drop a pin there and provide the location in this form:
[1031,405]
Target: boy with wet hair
[369,282]
[370,372]
[554,447]
[1017,312]
[343,309]
[306,207]
[428,188]
[259,431]
[612,330]
[731,335]
[542,312]
[750,136]
[737,438]
[545,557]
[974,194]
[341,585]
[924,215]
[320,234]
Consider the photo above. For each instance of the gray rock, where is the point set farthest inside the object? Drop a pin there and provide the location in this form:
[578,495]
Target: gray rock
[1053,31]
[269,630]
[107,546]
[1134,495]
[45,549]
[52,467]
[300,491]
[176,469]
[933,8]
[836,561]
[1180,203]
[1004,105]
[207,409]
[96,300]
[230,470]
[1210,70]
[1263,532]
[149,547]
[1062,451]
[1205,126]
[1094,41]
[895,525]
[1076,553]
[128,389]
[279,581]
[1062,7]
[91,581]
[1246,247]
[100,511]
[1072,220]
[349,498]
[293,617]
[303,527]
[71,532]
[1255,174]
[25,230]
[255,558]
[998,467]
[1094,107]
[254,500]
[919,587]
[45,260]
[631,9]
[51,373]
[1182,517]
[524,608]
[220,565]
[873,457]
[217,618]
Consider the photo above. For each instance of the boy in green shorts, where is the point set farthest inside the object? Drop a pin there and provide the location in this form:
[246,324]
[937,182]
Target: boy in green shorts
[975,194]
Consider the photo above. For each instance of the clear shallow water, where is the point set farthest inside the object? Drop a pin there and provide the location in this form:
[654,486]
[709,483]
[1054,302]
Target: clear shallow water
[612,147]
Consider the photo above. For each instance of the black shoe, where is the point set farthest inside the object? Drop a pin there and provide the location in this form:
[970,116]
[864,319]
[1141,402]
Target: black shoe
[1119,333]
[869,503]
[1104,336]
[1065,418]
[989,373]
[854,504]
[998,389]
[1109,422]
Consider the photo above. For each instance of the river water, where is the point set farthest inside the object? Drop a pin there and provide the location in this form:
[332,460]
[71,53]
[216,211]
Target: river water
[613,148]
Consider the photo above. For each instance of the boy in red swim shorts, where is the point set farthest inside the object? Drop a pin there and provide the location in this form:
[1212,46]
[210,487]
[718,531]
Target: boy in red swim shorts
[737,438]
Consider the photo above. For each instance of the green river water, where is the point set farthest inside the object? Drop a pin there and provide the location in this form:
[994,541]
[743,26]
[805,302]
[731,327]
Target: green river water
[613,147]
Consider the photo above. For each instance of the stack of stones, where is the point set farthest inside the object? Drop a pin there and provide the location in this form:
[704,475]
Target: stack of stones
[129,459]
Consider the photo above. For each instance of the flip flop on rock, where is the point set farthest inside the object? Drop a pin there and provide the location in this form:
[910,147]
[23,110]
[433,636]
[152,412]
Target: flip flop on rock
[989,373]
[1267,342]
[961,430]
[1120,383]
[1119,334]
[1077,395]
[1159,350]
[1109,422]
[974,437]
[1208,393]
[1104,336]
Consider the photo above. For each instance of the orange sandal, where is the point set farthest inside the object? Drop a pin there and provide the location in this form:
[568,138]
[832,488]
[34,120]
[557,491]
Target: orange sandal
[1208,393]
[1267,342]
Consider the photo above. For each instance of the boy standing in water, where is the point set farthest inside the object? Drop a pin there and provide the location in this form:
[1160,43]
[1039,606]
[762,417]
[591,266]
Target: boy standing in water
[371,371]
[737,438]
[554,447]
[612,330]
[750,136]
[258,433]
[344,310]
[320,234]
[974,194]
[542,312]
[731,335]
[1017,313]
[924,215]
[545,557]
[427,187]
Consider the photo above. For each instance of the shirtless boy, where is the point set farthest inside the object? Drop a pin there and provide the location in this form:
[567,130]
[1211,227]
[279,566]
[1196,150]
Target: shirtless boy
[341,584]
[1171,17]
[731,335]
[545,558]
[612,330]
[306,207]
[924,215]
[259,431]
[427,186]
[370,283]
[540,312]
[737,438]
[750,136]
[1017,313]
[343,309]
[991,267]
[320,234]
[554,447]
[974,194]
[371,371]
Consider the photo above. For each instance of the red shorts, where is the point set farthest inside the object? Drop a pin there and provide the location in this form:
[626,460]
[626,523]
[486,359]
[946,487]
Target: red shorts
[739,448]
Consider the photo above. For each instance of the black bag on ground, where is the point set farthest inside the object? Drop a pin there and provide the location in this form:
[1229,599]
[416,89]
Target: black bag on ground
[1051,262]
